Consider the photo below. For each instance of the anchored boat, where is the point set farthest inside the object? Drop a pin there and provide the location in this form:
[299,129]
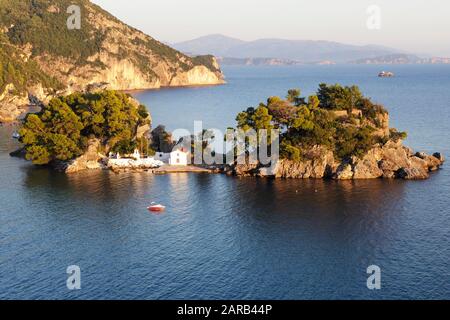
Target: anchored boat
[156,207]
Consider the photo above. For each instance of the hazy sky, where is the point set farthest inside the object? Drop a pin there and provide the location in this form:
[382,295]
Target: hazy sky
[419,26]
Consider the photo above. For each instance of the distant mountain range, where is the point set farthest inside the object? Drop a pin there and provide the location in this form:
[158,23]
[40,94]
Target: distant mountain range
[231,51]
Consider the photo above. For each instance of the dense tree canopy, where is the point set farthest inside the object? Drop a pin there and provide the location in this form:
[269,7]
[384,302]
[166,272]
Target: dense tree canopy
[326,119]
[62,129]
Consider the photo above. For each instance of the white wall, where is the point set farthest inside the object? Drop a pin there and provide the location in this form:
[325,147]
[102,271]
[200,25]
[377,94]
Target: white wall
[178,158]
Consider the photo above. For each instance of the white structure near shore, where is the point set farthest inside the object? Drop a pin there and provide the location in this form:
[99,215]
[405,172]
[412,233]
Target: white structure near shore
[178,157]
[133,161]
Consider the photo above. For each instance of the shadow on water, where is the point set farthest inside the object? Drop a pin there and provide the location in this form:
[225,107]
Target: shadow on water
[229,237]
[322,202]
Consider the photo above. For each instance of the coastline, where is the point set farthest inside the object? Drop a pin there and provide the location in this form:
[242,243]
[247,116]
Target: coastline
[189,86]
[163,170]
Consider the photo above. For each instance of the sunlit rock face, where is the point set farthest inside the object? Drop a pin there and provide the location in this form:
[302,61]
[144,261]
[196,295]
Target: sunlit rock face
[391,160]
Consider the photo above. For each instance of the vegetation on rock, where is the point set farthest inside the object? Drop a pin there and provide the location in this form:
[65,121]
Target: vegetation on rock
[338,118]
[42,23]
[63,128]
[21,74]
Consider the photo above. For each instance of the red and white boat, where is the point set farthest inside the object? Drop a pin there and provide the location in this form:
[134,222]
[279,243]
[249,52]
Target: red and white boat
[156,207]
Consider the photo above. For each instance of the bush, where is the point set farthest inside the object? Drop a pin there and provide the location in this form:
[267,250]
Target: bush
[353,141]
[125,147]
[290,152]
[396,135]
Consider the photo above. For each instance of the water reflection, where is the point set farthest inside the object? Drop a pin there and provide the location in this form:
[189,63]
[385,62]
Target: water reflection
[351,213]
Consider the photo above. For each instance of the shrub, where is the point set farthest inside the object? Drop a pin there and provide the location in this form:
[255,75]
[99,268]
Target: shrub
[396,135]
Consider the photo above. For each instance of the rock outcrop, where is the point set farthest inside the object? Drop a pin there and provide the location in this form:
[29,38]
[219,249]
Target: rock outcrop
[11,105]
[391,160]
[92,159]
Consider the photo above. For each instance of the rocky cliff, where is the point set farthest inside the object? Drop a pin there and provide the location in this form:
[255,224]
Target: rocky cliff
[43,52]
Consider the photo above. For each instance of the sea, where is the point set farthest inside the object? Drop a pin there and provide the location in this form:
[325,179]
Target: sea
[237,238]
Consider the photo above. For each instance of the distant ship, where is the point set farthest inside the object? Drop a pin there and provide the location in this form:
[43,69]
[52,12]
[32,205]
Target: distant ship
[16,135]
[386,74]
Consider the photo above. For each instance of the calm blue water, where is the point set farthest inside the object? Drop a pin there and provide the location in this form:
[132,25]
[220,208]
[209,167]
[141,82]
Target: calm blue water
[231,238]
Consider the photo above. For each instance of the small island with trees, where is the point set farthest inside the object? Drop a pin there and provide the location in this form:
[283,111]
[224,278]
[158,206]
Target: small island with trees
[337,133]
[102,129]
[65,128]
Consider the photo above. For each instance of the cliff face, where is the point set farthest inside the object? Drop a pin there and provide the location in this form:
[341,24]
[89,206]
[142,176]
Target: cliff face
[103,52]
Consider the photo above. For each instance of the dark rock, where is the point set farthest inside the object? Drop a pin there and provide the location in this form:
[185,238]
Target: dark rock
[411,174]
[439,156]
[421,155]
[19,153]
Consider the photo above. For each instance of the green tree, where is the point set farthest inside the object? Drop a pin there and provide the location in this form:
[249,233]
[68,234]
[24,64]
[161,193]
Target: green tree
[61,130]
[314,123]
[337,97]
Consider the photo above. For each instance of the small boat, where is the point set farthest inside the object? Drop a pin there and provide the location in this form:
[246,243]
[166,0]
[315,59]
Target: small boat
[16,135]
[386,74]
[156,207]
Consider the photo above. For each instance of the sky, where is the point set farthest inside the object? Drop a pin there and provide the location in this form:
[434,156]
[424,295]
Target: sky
[416,26]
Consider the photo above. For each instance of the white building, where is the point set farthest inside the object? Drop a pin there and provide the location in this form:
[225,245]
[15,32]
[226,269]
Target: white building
[178,157]
[136,154]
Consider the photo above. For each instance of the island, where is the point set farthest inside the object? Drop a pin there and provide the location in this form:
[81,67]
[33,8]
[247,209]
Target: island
[338,134]
[103,129]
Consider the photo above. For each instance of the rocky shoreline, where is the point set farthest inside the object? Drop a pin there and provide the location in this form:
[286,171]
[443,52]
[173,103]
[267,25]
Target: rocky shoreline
[391,160]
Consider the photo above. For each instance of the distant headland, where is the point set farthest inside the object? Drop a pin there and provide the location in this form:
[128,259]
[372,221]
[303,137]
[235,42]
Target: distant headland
[40,58]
